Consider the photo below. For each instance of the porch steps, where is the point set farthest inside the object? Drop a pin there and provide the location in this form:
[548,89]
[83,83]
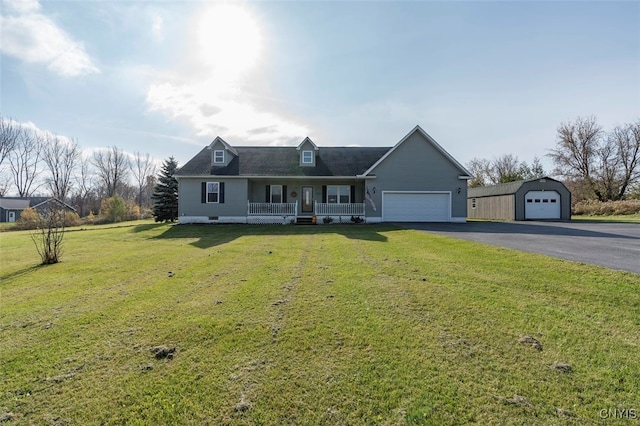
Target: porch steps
[304,220]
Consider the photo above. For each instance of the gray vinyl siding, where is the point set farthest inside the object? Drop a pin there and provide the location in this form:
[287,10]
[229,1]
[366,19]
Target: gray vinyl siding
[307,146]
[190,197]
[219,146]
[416,165]
[240,191]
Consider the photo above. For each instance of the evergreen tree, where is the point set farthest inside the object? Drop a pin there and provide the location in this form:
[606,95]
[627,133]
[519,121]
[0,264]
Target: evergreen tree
[165,193]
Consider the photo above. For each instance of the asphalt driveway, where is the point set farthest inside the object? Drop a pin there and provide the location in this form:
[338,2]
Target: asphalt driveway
[612,245]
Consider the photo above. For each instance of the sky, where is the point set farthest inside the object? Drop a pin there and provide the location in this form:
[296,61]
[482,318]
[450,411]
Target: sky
[166,77]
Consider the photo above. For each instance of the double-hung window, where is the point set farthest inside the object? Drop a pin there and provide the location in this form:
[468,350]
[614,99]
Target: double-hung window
[276,194]
[338,194]
[213,192]
[307,157]
[218,156]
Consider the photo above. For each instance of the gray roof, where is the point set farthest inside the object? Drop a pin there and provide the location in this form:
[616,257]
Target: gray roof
[21,203]
[14,203]
[285,161]
[502,188]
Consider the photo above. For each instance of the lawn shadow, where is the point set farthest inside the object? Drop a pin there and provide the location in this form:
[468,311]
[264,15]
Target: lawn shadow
[147,227]
[214,235]
[20,272]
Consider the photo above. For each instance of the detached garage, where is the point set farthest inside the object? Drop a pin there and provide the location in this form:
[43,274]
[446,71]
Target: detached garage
[535,199]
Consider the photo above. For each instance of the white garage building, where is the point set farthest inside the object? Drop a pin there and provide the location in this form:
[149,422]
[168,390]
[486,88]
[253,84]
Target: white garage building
[536,199]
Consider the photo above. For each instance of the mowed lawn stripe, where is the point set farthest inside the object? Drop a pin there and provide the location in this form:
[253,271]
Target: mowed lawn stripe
[310,325]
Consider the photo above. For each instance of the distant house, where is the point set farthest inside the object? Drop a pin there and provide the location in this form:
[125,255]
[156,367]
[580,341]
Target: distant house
[12,207]
[415,180]
[534,199]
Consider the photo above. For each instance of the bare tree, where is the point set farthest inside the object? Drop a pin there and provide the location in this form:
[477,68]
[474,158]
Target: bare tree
[605,164]
[577,148]
[503,169]
[112,166]
[9,134]
[24,161]
[506,168]
[5,183]
[50,231]
[84,185]
[626,140]
[61,158]
[480,168]
[142,167]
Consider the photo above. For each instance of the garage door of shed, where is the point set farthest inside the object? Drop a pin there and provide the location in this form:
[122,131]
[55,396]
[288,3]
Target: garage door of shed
[416,206]
[542,205]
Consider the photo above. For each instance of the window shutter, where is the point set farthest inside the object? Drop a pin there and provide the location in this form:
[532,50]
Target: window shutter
[221,194]
[353,193]
[324,193]
[203,195]
[268,196]
[284,193]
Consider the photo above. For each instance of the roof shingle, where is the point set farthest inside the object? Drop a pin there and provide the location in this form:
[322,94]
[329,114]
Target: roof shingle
[285,161]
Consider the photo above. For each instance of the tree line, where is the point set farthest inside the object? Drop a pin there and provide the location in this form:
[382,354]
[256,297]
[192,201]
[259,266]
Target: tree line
[594,163]
[503,169]
[36,162]
[598,164]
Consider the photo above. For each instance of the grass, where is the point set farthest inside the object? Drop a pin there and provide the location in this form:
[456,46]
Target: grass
[629,218]
[309,325]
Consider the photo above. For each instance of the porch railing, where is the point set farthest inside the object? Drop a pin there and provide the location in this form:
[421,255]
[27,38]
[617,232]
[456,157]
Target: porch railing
[272,209]
[330,209]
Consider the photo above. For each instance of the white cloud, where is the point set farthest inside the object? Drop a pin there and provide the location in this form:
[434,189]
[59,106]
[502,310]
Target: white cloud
[156,28]
[30,36]
[211,97]
[213,113]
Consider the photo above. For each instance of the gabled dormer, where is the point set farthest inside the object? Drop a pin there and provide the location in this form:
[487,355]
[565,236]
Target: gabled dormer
[308,153]
[221,153]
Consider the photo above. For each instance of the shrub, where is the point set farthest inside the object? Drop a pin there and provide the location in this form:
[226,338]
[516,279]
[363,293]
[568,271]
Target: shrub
[114,209]
[607,208]
[72,219]
[29,219]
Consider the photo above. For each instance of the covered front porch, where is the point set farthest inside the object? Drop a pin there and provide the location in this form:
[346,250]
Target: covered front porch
[306,201]
[293,213]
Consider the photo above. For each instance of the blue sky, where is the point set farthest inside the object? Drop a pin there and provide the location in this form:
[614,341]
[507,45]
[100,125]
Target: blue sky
[167,77]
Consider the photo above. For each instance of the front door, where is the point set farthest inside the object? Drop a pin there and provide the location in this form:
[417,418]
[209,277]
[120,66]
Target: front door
[307,199]
[12,216]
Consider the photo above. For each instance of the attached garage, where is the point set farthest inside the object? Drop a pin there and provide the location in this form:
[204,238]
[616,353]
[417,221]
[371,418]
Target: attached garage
[416,206]
[535,199]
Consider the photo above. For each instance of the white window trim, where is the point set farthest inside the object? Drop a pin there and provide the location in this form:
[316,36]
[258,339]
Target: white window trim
[213,192]
[307,157]
[339,193]
[218,156]
[271,194]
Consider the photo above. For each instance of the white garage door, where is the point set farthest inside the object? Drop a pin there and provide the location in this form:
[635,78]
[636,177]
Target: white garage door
[416,207]
[542,205]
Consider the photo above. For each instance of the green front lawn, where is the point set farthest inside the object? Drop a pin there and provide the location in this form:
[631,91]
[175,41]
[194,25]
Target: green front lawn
[310,325]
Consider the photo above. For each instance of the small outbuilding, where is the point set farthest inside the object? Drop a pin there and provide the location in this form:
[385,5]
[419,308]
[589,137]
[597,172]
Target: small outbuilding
[11,207]
[535,199]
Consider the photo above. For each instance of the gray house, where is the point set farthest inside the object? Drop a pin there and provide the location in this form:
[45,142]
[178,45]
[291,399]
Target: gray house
[414,181]
[535,199]
[11,207]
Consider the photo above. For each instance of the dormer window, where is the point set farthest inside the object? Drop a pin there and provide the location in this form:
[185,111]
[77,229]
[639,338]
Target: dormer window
[218,156]
[307,157]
